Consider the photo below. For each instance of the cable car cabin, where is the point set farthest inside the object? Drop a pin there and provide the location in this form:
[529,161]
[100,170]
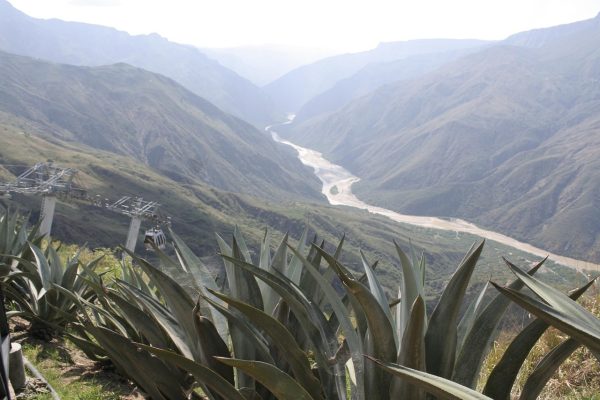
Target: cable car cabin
[155,237]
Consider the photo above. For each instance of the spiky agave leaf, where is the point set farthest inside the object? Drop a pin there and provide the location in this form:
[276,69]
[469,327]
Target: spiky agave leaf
[312,322]
[481,334]
[341,314]
[380,329]
[441,336]
[504,373]
[283,340]
[556,309]
[412,352]
[202,373]
[278,382]
[411,286]
[546,368]
[440,387]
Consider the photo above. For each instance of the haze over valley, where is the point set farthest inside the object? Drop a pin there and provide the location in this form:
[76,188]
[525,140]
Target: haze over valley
[501,132]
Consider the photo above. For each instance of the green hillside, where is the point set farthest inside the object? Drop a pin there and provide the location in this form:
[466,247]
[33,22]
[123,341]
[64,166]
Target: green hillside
[150,118]
[505,137]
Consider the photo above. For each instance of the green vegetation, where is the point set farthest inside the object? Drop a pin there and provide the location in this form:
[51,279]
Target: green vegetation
[55,362]
[293,321]
[151,119]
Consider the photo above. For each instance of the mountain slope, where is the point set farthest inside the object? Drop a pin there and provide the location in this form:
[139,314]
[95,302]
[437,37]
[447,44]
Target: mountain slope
[373,76]
[92,45]
[507,137]
[297,87]
[199,211]
[148,117]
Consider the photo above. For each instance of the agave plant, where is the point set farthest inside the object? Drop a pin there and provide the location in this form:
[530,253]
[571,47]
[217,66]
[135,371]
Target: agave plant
[295,323]
[14,236]
[30,286]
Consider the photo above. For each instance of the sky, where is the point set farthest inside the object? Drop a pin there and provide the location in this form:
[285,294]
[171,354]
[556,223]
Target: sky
[338,25]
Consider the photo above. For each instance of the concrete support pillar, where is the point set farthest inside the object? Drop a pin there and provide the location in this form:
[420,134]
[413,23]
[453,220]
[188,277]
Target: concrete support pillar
[47,214]
[16,369]
[132,235]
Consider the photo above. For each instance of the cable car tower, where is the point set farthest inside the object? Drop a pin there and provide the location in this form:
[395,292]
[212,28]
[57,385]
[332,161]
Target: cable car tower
[49,181]
[138,209]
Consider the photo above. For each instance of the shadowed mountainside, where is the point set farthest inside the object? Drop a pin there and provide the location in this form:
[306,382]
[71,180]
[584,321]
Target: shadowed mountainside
[132,112]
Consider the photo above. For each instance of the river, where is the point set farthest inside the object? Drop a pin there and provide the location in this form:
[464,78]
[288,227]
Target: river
[337,187]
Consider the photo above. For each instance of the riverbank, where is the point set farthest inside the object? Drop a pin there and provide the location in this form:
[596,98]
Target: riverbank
[337,187]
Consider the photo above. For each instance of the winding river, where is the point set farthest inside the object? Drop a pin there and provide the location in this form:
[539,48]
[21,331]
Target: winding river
[337,187]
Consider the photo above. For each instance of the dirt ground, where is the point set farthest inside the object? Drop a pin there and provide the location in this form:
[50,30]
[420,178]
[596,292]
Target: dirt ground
[72,365]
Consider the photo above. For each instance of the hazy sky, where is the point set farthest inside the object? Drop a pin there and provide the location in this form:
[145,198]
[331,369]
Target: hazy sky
[345,25]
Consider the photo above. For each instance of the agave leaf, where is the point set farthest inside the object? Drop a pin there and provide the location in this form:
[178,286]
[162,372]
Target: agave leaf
[91,349]
[546,368]
[555,298]
[441,336]
[178,301]
[378,292]
[583,329]
[338,249]
[311,320]
[277,262]
[203,374]
[412,352]
[247,289]
[283,340]
[481,335]
[151,374]
[438,386]
[342,315]
[294,268]
[202,278]
[380,327]
[252,335]
[212,345]
[468,319]
[268,294]
[411,287]
[56,265]
[242,286]
[278,382]
[308,285]
[141,321]
[504,374]
[43,268]
[164,317]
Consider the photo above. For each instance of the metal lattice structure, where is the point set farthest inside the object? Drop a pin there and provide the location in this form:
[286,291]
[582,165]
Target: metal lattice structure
[46,179]
[52,182]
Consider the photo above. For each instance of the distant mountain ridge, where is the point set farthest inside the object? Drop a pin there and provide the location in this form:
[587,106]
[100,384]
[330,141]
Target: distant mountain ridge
[507,137]
[146,116]
[295,88]
[374,75]
[93,45]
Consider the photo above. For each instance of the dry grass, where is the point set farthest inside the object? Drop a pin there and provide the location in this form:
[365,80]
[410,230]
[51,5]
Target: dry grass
[577,378]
